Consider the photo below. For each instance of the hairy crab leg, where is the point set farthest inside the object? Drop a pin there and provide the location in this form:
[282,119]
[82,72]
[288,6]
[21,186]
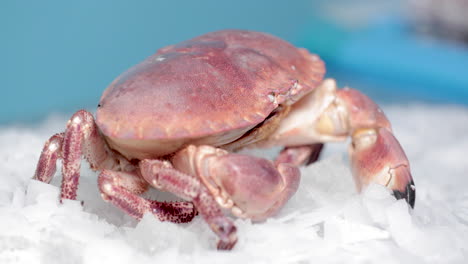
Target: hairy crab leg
[80,137]
[80,129]
[47,164]
[121,189]
[162,175]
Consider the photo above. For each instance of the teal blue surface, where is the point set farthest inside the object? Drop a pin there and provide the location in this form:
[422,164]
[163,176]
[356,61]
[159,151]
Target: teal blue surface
[58,56]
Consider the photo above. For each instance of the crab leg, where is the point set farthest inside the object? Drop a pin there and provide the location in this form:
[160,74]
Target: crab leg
[81,138]
[162,175]
[121,189]
[47,164]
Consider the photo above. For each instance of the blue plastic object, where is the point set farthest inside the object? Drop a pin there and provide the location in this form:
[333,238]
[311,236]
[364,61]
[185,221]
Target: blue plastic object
[394,59]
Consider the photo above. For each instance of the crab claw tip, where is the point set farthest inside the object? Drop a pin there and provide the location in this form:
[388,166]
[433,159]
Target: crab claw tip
[409,194]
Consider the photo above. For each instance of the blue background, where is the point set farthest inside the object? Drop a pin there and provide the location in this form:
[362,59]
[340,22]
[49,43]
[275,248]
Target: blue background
[58,56]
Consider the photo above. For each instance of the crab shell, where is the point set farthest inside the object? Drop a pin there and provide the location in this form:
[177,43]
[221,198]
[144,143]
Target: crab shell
[208,90]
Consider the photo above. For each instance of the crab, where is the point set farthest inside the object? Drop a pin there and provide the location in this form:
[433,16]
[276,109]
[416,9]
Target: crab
[176,121]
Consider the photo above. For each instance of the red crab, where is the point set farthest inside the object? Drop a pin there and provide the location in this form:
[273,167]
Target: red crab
[175,120]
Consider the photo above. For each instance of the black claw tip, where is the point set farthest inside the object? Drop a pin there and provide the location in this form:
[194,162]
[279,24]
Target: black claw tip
[409,194]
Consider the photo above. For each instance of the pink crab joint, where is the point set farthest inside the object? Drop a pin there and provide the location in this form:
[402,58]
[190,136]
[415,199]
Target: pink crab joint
[175,120]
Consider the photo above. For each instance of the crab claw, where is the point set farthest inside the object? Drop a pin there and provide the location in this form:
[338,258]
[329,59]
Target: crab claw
[328,115]
[376,156]
[252,187]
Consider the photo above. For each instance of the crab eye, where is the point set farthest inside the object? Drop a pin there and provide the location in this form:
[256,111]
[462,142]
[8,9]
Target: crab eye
[99,105]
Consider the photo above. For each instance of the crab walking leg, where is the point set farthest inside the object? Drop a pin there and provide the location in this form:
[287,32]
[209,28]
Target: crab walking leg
[80,127]
[47,164]
[162,175]
[80,137]
[122,189]
[68,146]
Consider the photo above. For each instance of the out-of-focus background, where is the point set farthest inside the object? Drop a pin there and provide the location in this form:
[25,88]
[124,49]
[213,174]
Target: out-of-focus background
[410,56]
[58,56]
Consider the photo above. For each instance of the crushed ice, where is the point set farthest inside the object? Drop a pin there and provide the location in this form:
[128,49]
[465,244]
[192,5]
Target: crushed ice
[326,221]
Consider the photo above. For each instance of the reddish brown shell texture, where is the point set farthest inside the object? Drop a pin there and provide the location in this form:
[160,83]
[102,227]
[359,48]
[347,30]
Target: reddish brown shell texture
[214,83]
